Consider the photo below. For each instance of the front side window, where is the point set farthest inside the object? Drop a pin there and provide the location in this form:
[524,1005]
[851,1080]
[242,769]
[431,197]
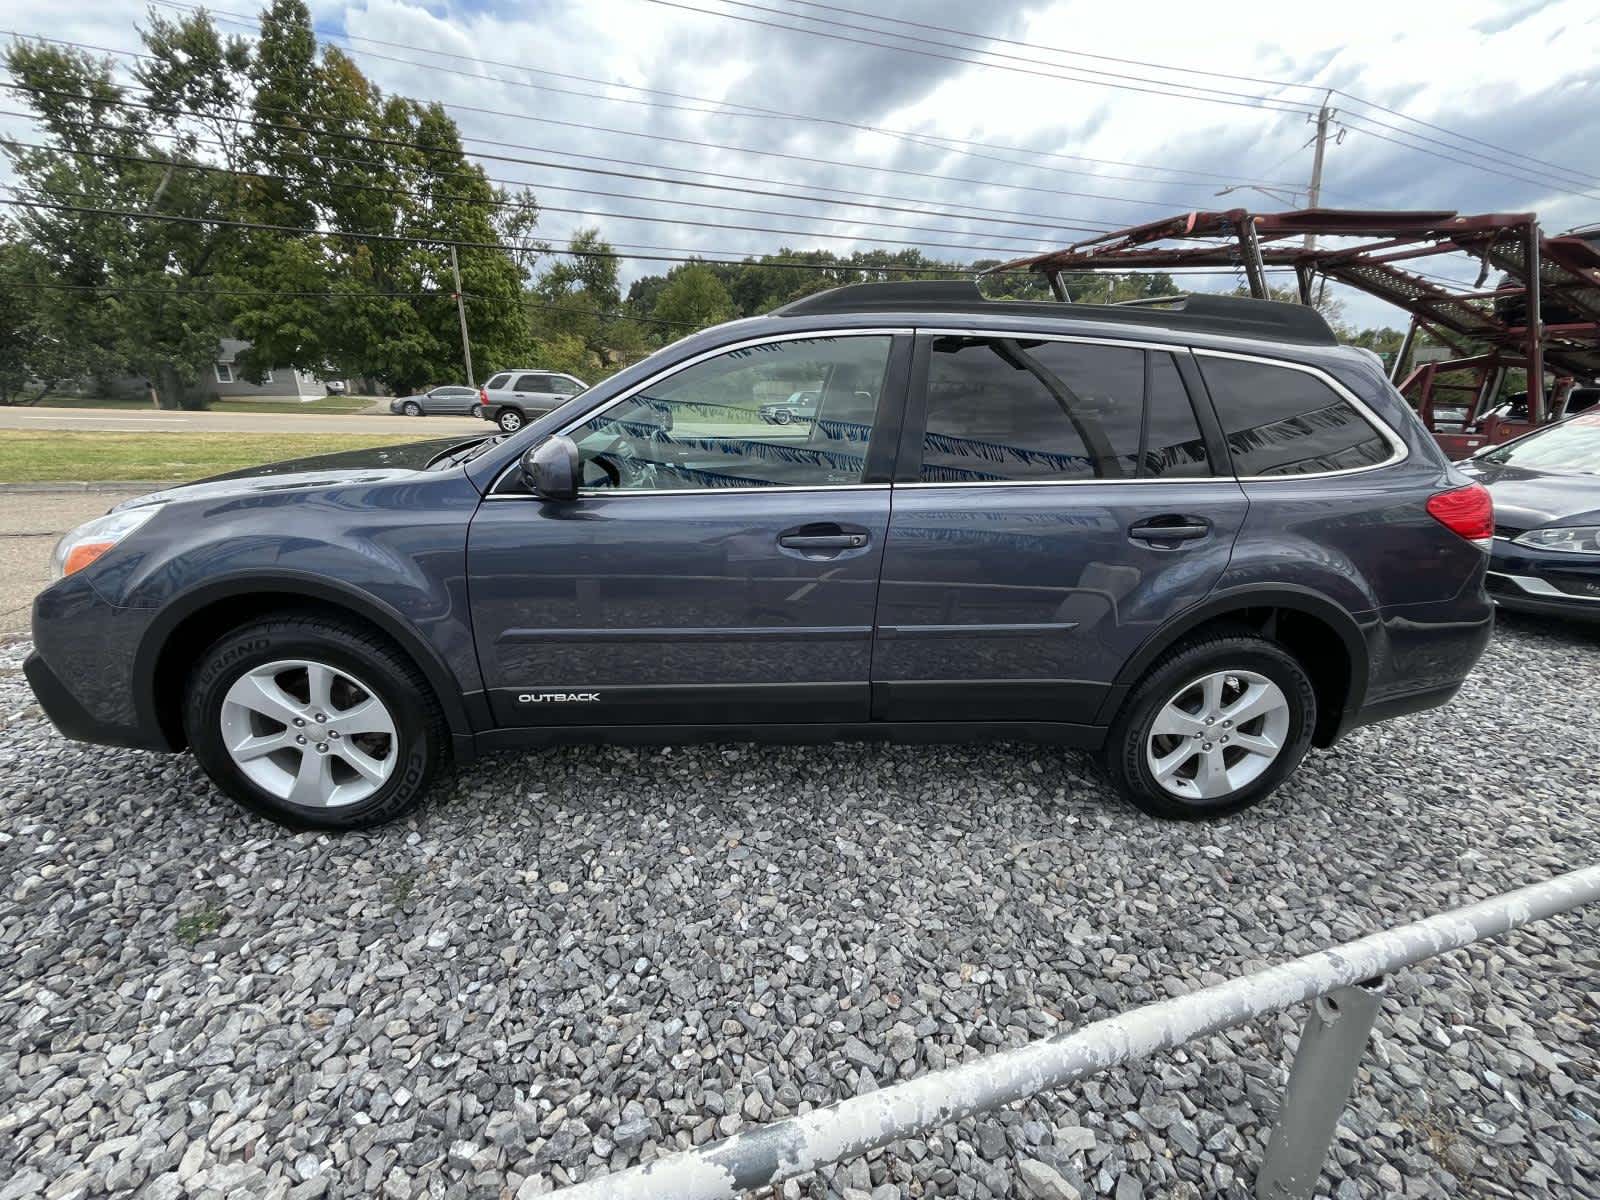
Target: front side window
[1026,410]
[1279,421]
[701,428]
[563,386]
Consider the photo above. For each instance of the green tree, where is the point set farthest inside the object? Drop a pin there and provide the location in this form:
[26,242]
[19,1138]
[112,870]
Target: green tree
[573,307]
[272,132]
[693,296]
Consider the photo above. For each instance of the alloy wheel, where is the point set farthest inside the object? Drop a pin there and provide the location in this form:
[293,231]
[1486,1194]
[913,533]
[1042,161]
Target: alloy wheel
[1217,734]
[309,734]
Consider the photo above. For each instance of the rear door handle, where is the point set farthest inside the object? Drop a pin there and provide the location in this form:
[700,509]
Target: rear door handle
[1170,528]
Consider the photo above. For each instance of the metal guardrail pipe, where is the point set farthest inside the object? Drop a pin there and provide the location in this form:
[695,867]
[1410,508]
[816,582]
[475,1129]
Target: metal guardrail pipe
[770,1154]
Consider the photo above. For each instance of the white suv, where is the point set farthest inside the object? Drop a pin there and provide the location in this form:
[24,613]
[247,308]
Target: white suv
[513,398]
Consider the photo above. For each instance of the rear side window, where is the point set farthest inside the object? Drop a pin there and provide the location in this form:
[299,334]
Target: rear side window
[1280,421]
[533,383]
[499,381]
[1029,410]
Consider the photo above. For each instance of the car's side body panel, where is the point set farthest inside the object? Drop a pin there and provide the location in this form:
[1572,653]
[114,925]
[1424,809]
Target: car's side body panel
[1022,603]
[676,608]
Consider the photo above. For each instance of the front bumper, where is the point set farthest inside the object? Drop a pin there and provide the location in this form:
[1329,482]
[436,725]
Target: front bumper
[82,669]
[1525,580]
[75,721]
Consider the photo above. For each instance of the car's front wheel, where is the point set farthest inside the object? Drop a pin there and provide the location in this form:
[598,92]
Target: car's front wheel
[1215,726]
[411,408]
[509,420]
[314,722]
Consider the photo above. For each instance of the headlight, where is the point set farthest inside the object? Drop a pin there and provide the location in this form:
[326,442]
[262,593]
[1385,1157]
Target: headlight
[93,538]
[1573,539]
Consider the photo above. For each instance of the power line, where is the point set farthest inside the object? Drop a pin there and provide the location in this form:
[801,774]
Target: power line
[1340,92]
[730,259]
[947,208]
[492,203]
[809,160]
[1555,179]
[1257,102]
[510,204]
[124,289]
[720,108]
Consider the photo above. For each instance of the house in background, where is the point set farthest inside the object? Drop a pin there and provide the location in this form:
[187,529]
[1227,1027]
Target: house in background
[286,382]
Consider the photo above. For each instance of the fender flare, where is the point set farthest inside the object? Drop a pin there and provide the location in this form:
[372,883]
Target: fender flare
[1229,600]
[360,604]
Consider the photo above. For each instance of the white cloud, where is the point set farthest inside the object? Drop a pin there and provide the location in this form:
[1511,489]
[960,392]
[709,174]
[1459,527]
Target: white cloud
[1519,76]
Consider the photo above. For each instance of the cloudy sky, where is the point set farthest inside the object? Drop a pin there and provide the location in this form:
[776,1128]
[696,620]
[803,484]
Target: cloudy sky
[1000,146]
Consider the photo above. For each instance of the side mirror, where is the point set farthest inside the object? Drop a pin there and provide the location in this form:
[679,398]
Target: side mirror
[551,469]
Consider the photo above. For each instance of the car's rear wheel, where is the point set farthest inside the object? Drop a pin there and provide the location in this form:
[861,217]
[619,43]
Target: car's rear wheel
[314,722]
[1215,726]
[509,420]
[411,408]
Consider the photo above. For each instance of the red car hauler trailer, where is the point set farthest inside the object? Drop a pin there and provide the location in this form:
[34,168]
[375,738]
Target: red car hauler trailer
[1541,313]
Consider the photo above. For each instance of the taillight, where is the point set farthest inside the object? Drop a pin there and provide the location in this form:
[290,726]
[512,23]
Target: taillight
[483,395]
[1465,511]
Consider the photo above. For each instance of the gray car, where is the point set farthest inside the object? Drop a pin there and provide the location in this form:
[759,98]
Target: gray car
[513,398]
[1197,541]
[450,400]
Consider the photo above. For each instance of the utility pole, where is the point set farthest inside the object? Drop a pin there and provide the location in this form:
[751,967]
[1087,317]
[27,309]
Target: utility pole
[461,313]
[1314,192]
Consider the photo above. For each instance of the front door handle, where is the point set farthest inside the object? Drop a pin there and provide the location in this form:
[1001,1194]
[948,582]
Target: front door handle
[1170,527]
[823,541]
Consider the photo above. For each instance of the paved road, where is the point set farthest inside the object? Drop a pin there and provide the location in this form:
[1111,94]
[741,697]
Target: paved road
[136,420]
[30,523]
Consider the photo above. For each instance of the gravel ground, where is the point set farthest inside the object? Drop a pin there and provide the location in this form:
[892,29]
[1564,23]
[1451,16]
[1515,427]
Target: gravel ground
[581,958]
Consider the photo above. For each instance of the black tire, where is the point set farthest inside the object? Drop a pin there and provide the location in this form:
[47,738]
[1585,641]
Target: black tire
[411,408]
[509,420]
[344,645]
[1124,753]
[783,416]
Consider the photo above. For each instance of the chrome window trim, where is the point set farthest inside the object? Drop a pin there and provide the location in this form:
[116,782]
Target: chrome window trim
[1170,481]
[1398,451]
[619,493]
[667,373]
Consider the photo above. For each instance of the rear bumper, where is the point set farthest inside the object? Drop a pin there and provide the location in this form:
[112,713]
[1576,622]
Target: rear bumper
[1396,706]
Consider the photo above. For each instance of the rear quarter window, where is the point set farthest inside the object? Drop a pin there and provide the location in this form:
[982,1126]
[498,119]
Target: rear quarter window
[499,381]
[1280,421]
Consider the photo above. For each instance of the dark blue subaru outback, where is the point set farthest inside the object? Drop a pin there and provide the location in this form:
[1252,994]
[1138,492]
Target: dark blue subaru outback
[1198,539]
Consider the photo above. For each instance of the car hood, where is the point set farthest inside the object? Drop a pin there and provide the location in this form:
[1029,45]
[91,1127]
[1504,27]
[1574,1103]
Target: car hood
[1527,499]
[371,465]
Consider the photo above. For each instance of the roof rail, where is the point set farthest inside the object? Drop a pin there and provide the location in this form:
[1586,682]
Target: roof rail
[1202,313]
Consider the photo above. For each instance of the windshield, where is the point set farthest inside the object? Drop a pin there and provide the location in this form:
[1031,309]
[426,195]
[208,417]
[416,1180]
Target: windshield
[1571,446]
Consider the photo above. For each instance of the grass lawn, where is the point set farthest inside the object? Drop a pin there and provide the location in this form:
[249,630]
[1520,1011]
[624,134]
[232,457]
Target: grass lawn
[49,456]
[322,404]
